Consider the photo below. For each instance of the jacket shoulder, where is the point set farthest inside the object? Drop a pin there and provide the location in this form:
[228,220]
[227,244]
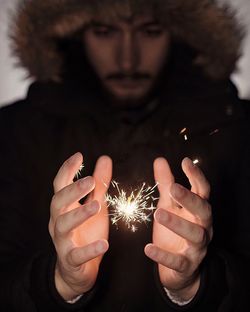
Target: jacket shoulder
[13,114]
[13,108]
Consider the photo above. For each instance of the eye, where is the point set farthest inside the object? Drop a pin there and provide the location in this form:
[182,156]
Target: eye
[103,31]
[153,31]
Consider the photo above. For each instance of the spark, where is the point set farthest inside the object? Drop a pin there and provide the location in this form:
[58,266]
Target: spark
[133,209]
[79,172]
[195,161]
[183,130]
[184,133]
[214,132]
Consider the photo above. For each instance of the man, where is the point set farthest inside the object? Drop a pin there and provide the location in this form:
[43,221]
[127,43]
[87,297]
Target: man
[140,81]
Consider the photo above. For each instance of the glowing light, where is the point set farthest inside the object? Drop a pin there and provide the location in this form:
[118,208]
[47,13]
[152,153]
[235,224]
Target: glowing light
[133,209]
[196,161]
[214,132]
[183,130]
[184,133]
[79,172]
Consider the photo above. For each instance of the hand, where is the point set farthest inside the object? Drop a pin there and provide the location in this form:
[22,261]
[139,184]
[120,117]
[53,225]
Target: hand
[79,232]
[182,228]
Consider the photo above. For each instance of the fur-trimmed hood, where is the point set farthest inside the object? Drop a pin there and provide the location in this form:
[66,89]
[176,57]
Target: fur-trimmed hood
[208,29]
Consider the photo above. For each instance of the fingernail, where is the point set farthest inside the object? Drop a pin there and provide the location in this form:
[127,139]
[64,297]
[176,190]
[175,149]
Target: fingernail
[86,182]
[189,162]
[187,159]
[177,190]
[161,215]
[73,157]
[101,247]
[151,250]
[93,207]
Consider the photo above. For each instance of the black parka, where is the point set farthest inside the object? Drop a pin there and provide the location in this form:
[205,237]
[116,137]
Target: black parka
[59,119]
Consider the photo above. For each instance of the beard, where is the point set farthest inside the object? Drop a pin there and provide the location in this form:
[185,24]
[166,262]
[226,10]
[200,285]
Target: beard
[126,101]
[131,99]
[83,73]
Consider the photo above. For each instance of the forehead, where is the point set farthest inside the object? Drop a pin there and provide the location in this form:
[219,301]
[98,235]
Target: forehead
[125,11]
[122,22]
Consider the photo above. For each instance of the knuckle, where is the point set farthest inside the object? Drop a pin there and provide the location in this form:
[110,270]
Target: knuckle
[51,229]
[193,200]
[72,256]
[53,201]
[201,236]
[207,212]
[181,263]
[59,226]
[55,183]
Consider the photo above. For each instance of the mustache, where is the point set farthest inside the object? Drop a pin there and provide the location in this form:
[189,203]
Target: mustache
[135,76]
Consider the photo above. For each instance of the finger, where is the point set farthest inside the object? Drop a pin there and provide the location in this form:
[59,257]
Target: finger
[67,172]
[197,206]
[164,178]
[172,261]
[72,193]
[69,221]
[102,175]
[197,179]
[79,256]
[186,229]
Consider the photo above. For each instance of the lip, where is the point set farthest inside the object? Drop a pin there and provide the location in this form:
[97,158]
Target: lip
[128,83]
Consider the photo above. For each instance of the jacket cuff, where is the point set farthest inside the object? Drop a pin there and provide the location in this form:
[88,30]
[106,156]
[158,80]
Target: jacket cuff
[213,287]
[44,290]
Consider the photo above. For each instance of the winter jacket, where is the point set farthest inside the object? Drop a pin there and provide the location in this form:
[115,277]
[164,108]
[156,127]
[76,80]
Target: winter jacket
[55,121]
[191,115]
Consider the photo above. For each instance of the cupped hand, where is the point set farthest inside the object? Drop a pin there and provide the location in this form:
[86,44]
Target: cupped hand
[79,232]
[182,228]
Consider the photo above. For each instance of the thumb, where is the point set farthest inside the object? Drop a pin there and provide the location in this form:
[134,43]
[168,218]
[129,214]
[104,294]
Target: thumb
[102,175]
[164,178]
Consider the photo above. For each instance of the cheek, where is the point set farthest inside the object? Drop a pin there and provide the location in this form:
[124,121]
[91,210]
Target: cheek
[157,57]
[100,58]
[160,58]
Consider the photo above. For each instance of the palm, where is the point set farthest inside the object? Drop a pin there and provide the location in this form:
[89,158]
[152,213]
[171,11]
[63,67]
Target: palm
[174,237]
[166,239]
[97,227]
[92,229]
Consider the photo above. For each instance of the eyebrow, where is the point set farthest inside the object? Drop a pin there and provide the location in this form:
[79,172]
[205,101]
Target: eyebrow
[151,23]
[143,24]
[95,23]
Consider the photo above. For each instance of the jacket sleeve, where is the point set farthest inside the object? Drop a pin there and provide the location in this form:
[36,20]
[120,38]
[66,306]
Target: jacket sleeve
[224,285]
[225,272]
[26,261]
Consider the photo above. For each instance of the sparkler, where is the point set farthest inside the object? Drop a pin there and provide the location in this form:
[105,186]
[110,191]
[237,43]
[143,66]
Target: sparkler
[133,209]
[196,161]
[79,172]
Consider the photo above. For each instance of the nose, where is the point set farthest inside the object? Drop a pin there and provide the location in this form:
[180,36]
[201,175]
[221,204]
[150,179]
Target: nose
[128,54]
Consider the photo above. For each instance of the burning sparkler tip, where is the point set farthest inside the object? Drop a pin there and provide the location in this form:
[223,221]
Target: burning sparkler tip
[79,172]
[133,208]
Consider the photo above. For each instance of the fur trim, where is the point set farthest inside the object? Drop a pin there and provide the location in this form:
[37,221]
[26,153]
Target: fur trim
[210,30]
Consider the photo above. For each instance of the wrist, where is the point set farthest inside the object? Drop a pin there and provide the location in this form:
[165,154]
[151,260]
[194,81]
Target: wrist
[185,294]
[64,290]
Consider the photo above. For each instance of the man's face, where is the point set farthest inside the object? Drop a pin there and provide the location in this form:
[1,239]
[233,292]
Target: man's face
[127,56]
